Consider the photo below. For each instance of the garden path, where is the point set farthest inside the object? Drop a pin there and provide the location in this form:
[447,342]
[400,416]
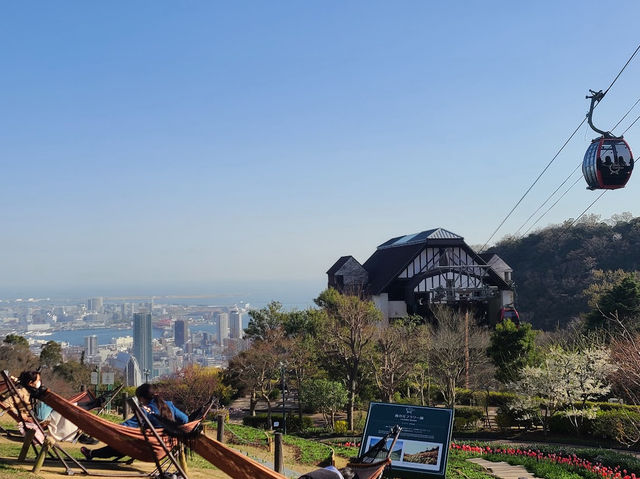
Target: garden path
[503,470]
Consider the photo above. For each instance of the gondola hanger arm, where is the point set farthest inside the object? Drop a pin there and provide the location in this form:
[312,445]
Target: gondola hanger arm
[596,97]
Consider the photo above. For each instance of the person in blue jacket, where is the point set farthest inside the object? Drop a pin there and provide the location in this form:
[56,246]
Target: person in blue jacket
[154,407]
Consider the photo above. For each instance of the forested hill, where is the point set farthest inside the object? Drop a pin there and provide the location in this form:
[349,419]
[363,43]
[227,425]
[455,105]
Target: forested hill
[552,267]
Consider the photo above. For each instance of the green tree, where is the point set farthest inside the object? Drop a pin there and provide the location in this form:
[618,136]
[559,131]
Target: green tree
[325,396]
[51,354]
[16,340]
[347,339]
[511,349]
[622,302]
[264,320]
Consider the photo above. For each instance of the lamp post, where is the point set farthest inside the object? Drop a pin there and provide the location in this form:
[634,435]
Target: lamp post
[146,375]
[284,414]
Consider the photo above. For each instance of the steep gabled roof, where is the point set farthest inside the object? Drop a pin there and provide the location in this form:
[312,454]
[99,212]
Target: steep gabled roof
[385,264]
[338,264]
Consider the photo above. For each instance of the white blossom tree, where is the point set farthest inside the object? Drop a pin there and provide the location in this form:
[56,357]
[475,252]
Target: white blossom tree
[566,379]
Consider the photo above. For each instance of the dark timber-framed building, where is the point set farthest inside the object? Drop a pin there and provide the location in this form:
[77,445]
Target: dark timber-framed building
[407,274]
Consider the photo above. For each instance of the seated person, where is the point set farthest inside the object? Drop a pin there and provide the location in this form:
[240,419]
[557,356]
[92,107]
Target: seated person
[58,427]
[154,407]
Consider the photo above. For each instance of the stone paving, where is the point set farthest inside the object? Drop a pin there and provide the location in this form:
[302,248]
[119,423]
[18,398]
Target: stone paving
[503,470]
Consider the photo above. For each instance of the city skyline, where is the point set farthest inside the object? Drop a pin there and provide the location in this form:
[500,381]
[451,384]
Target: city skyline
[217,147]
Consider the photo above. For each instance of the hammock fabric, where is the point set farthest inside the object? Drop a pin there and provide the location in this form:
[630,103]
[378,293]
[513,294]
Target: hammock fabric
[369,471]
[82,397]
[128,440]
[132,442]
[230,461]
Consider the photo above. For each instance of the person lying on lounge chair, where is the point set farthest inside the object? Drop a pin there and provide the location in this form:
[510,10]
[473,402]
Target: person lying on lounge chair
[154,407]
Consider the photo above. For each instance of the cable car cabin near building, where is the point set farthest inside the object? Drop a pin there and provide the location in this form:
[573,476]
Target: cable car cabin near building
[407,274]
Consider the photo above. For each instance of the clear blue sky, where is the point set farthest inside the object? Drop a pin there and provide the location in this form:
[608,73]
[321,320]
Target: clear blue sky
[185,143]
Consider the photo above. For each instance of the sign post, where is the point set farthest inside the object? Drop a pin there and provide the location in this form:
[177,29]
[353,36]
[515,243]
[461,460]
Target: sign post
[422,449]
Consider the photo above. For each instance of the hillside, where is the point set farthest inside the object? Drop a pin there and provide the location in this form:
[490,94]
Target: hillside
[552,267]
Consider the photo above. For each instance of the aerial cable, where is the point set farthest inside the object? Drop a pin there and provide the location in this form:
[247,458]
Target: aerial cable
[551,207]
[587,209]
[601,96]
[625,66]
[546,201]
[532,185]
[567,179]
[633,123]
[625,115]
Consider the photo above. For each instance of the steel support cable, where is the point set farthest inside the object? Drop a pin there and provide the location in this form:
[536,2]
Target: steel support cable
[588,207]
[532,185]
[625,66]
[558,153]
[633,123]
[567,179]
[551,207]
[625,115]
[546,201]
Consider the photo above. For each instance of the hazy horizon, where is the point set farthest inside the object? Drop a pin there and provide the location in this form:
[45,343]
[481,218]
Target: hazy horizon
[178,145]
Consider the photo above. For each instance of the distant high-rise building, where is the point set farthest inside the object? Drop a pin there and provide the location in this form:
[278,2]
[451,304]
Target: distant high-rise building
[223,327]
[142,341]
[235,324]
[132,374]
[91,345]
[96,304]
[180,332]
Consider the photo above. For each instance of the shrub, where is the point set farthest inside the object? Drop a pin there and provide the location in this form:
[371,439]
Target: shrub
[261,421]
[466,417]
[515,416]
[617,425]
[340,427]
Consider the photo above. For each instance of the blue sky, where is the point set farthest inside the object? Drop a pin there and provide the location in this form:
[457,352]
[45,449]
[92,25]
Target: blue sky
[194,143]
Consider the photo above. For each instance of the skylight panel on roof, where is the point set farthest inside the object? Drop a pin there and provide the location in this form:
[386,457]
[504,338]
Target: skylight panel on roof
[405,239]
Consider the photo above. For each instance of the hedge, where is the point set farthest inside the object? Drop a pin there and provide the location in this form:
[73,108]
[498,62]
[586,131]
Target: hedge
[466,417]
[293,422]
[612,425]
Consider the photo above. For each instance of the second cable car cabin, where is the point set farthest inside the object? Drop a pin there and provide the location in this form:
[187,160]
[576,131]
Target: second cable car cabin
[608,162]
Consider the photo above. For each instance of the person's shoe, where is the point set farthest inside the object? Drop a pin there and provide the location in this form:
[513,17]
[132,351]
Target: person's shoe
[86,439]
[86,452]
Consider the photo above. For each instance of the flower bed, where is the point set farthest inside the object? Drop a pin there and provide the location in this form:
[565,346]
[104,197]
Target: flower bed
[572,462]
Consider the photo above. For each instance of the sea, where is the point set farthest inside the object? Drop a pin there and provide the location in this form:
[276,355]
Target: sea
[76,337]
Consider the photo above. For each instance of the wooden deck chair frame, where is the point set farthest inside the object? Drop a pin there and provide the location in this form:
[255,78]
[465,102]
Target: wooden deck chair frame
[55,451]
[149,431]
[79,433]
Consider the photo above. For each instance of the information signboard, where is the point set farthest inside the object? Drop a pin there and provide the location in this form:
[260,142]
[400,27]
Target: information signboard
[422,449]
[108,378]
[94,377]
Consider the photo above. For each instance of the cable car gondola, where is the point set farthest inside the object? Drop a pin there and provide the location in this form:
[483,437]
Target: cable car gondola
[509,312]
[608,162]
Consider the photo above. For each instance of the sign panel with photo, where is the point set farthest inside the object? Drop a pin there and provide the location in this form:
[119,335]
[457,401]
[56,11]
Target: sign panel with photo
[423,445]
